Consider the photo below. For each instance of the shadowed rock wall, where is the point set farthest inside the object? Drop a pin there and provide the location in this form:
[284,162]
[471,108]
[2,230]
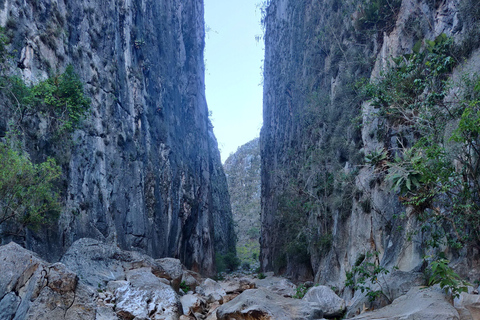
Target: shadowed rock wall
[144,171]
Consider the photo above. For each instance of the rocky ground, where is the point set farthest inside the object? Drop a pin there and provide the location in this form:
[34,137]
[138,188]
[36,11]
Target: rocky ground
[96,281]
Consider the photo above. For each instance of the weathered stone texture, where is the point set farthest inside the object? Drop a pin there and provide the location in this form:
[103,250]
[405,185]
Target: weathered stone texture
[144,171]
[316,192]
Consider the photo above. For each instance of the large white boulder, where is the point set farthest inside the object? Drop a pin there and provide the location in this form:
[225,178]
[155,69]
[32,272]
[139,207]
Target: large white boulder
[418,303]
[327,300]
[264,304]
[145,296]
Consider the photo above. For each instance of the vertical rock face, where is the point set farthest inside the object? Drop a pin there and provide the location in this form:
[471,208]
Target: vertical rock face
[144,171]
[243,176]
[322,208]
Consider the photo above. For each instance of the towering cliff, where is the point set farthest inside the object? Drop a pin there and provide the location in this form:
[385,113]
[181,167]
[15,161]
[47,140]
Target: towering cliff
[326,202]
[144,171]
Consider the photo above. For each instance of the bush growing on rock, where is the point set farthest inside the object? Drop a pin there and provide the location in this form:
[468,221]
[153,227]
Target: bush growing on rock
[227,262]
[27,190]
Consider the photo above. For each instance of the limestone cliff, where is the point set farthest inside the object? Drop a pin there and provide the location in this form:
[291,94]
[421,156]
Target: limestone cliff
[144,172]
[323,207]
[243,176]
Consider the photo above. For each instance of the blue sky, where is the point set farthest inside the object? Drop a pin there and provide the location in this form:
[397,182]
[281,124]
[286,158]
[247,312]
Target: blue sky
[233,77]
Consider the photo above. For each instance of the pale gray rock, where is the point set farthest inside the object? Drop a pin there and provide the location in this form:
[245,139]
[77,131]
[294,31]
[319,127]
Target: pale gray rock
[332,305]
[146,297]
[211,289]
[72,305]
[173,269]
[23,274]
[263,304]
[18,268]
[9,305]
[393,285]
[237,285]
[193,303]
[96,263]
[105,313]
[418,303]
[468,306]
[191,279]
[278,285]
[32,289]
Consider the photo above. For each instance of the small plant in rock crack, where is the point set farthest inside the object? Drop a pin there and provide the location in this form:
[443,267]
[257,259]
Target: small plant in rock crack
[377,158]
[184,287]
[300,291]
[366,274]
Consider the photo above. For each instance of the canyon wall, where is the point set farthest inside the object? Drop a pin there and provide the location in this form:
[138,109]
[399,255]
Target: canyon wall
[243,176]
[324,208]
[144,170]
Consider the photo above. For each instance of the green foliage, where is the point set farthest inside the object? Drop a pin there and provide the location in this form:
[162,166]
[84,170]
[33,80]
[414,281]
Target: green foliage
[184,287]
[414,84]
[227,262]
[300,291]
[404,173]
[249,252]
[27,190]
[3,47]
[261,276]
[377,157]
[439,175]
[367,272]
[378,15]
[59,98]
[441,273]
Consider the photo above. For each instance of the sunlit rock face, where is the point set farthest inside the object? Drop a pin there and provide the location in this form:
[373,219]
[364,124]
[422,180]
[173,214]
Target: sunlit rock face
[144,171]
[322,207]
[242,169]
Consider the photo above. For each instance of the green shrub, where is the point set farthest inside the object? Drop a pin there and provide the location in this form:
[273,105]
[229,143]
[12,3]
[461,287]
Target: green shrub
[439,272]
[27,191]
[365,273]
[378,15]
[227,262]
[437,175]
[300,291]
[60,98]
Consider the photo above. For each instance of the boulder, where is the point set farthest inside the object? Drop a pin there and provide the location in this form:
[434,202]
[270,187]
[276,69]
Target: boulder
[9,305]
[278,285]
[77,305]
[31,288]
[393,285]
[327,300]
[237,285]
[418,303]
[211,290]
[173,269]
[20,270]
[60,279]
[191,279]
[96,263]
[468,306]
[193,303]
[146,297]
[266,305]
